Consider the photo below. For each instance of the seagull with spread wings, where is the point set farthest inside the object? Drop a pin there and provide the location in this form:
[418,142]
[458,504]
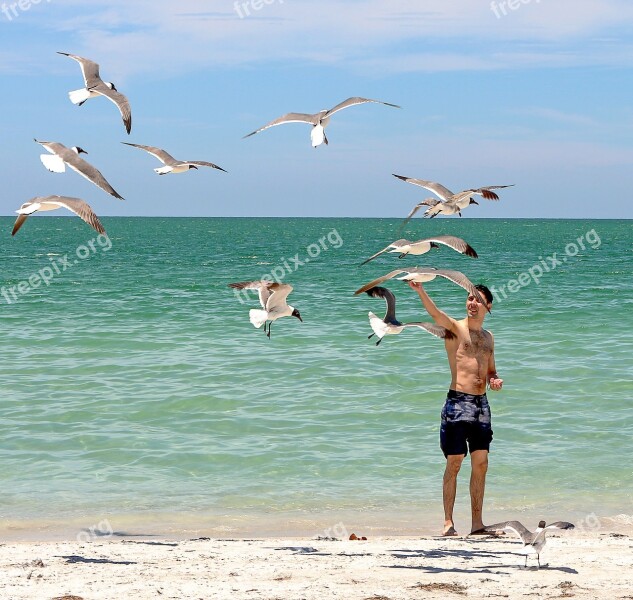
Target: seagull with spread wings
[533,541]
[95,86]
[42,203]
[389,325]
[448,203]
[60,156]
[319,121]
[273,298]
[425,274]
[172,165]
[405,247]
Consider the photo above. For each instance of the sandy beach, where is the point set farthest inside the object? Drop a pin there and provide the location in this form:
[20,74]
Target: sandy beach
[574,564]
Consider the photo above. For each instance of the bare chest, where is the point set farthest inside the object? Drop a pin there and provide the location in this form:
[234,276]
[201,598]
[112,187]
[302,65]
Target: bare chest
[476,343]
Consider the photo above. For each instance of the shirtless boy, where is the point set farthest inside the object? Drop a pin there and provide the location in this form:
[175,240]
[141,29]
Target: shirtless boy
[465,422]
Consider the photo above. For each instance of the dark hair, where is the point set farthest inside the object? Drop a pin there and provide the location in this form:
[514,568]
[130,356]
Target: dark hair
[486,292]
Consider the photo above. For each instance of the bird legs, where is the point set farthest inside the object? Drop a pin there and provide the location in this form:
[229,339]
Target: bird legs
[267,333]
[371,336]
[538,560]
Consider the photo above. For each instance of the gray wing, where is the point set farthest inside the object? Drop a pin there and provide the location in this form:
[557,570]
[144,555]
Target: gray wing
[52,147]
[85,169]
[436,188]
[81,208]
[456,277]
[518,528]
[390,299]
[288,118]
[202,163]
[560,525]
[436,330]
[89,69]
[486,193]
[262,286]
[378,281]
[278,296]
[353,102]
[121,102]
[395,244]
[164,157]
[18,223]
[428,202]
[453,242]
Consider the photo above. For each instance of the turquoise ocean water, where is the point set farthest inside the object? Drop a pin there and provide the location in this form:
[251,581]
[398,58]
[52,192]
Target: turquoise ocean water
[134,388]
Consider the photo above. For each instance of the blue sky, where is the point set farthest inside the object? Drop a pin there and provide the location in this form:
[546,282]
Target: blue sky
[535,93]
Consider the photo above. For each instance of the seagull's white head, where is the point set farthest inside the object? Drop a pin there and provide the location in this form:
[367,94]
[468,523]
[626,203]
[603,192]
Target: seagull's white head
[111,85]
[78,150]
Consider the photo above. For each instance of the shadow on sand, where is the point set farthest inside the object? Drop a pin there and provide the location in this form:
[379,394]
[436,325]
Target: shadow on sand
[466,555]
[75,559]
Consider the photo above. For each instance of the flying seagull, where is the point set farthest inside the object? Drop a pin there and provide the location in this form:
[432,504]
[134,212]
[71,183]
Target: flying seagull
[319,121]
[272,297]
[171,164]
[405,247]
[61,156]
[436,207]
[95,86]
[424,274]
[533,542]
[449,203]
[40,203]
[389,325]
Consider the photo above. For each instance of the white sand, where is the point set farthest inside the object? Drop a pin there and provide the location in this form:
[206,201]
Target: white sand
[579,564]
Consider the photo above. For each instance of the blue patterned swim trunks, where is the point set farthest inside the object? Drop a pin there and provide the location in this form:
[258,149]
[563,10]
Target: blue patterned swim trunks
[465,423]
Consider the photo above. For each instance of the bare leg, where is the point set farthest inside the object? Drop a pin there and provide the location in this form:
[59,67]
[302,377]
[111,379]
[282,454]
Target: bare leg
[479,464]
[453,464]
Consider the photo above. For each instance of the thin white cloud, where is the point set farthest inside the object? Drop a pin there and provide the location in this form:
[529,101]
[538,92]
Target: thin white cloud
[166,36]
[558,116]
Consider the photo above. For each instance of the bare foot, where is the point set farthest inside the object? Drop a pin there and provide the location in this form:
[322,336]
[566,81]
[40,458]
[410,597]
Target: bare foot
[449,531]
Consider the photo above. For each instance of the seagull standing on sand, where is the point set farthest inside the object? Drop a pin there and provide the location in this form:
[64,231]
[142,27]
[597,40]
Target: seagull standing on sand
[61,156]
[405,247]
[95,86]
[424,274]
[171,164]
[40,203]
[533,542]
[272,297]
[449,203]
[389,325]
[319,121]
